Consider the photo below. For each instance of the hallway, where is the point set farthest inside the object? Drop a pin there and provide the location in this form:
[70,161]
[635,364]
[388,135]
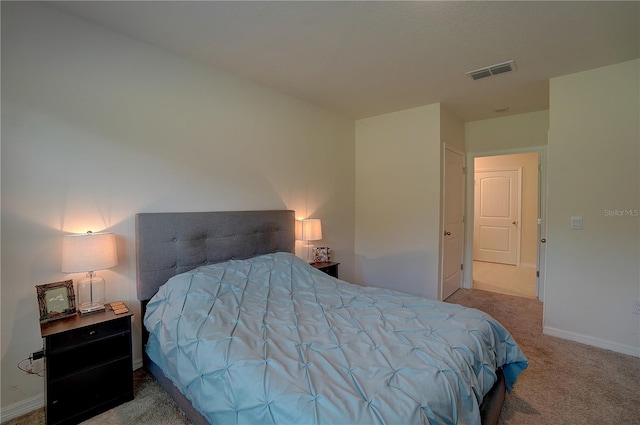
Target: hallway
[504,279]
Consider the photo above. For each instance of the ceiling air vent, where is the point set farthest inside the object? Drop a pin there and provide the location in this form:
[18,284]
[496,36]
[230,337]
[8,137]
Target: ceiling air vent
[499,68]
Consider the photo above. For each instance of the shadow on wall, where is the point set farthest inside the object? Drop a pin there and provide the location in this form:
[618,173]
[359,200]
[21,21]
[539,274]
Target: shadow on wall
[409,272]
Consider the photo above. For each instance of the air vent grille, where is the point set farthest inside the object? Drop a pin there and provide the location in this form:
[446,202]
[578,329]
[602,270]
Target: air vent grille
[499,68]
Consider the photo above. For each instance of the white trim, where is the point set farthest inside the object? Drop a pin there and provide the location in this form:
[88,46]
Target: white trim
[589,340]
[454,149]
[137,364]
[498,152]
[22,407]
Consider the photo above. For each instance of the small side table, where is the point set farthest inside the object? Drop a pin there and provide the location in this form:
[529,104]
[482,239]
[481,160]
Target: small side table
[329,268]
[88,365]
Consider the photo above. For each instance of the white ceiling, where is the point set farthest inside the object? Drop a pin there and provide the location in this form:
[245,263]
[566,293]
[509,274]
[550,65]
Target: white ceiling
[368,58]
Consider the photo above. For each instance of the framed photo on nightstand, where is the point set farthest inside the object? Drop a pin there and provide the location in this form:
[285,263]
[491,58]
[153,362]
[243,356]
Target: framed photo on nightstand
[322,254]
[56,300]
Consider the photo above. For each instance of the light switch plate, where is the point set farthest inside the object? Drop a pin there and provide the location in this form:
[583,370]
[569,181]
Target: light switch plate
[576,222]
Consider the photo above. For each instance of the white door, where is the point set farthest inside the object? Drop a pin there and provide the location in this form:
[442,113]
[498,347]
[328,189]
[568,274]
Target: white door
[542,230]
[496,232]
[453,239]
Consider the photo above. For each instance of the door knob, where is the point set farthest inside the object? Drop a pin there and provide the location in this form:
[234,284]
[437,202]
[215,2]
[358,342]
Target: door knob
[514,222]
[543,240]
[447,233]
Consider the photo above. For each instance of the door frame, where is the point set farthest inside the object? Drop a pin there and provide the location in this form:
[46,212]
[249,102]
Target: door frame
[467,280]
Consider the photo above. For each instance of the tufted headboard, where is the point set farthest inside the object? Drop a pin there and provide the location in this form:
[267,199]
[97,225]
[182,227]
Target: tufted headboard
[171,243]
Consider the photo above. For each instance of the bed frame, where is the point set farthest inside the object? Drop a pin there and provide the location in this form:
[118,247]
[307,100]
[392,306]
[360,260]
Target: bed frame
[168,244]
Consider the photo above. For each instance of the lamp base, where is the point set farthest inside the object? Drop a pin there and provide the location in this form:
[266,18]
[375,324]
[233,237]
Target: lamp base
[91,294]
[311,258]
[91,308]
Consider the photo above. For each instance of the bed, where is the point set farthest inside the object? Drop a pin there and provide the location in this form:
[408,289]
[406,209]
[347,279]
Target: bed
[242,331]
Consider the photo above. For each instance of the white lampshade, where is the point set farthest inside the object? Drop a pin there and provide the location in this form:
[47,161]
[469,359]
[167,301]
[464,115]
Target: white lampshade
[311,229]
[88,252]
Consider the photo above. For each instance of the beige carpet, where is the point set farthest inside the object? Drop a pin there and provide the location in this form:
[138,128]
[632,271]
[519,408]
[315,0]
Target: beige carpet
[566,383]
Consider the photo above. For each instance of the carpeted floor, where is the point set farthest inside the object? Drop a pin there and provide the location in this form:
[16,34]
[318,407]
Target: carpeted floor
[567,383]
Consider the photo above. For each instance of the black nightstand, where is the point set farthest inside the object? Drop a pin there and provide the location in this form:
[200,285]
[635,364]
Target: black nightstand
[88,365]
[329,268]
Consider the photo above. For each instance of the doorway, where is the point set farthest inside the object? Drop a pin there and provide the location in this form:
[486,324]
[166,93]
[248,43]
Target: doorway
[505,217]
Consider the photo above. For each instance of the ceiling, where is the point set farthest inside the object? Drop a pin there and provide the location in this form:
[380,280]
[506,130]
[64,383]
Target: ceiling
[365,58]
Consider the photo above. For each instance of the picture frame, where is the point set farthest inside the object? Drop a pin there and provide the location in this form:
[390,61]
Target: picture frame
[56,300]
[322,254]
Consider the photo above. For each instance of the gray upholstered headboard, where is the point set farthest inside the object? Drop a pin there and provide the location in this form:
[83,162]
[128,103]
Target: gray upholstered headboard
[171,243]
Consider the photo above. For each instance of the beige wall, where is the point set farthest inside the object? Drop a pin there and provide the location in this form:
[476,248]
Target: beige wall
[398,200]
[452,131]
[507,133]
[399,197]
[97,127]
[593,279]
[529,209]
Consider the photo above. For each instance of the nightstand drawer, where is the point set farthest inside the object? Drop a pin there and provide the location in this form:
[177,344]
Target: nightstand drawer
[64,362]
[87,334]
[90,392]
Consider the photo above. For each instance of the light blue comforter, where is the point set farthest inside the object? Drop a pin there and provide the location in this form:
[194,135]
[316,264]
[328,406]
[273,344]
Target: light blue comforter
[272,340]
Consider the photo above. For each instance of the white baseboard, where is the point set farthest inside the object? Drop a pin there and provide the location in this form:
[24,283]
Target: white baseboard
[137,364]
[589,340]
[21,408]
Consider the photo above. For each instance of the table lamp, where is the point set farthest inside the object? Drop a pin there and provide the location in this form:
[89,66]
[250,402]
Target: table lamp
[89,252]
[311,230]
